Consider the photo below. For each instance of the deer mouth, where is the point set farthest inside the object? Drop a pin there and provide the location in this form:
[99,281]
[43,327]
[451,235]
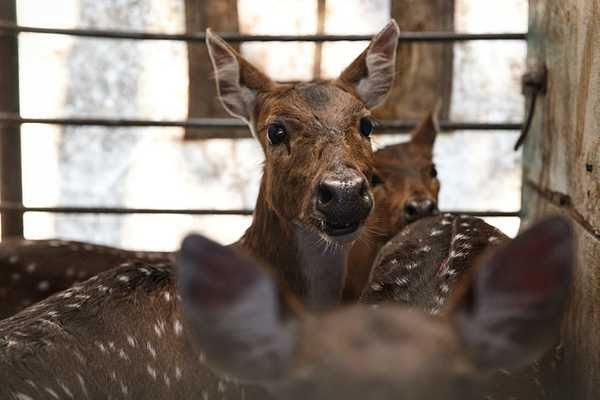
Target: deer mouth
[340,229]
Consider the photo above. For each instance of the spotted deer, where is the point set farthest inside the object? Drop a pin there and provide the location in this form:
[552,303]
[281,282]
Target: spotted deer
[429,265]
[315,192]
[408,190]
[220,326]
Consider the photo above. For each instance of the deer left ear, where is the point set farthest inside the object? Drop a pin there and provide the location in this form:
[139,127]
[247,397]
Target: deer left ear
[512,313]
[371,74]
[232,307]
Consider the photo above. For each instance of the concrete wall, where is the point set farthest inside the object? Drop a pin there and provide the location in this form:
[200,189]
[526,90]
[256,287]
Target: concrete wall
[562,163]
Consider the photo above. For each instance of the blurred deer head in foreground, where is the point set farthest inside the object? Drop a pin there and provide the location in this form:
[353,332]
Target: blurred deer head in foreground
[407,190]
[315,192]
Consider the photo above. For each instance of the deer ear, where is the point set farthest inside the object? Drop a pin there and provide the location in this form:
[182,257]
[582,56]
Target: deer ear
[426,132]
[238,81]
[371,74]
[514,309]
[231,306]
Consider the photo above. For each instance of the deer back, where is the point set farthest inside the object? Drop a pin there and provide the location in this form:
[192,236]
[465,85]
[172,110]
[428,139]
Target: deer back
[31,270]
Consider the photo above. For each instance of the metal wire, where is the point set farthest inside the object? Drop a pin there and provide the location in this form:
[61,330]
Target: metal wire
[398,126]
[10,28]
[195,211]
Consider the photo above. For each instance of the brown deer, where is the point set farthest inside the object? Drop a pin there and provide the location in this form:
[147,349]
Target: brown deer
[408,191]
[429,265]
[125,332]
[315,191]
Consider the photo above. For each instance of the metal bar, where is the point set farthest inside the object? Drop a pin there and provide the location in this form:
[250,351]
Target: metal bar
[194,211]
[230,123]
[10,137]
[12,28]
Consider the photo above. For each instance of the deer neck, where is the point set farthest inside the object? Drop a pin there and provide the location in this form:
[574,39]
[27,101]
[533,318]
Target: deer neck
[312,269]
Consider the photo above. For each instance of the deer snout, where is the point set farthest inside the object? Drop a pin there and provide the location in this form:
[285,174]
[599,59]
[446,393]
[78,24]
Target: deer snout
[415,209]
[345,201]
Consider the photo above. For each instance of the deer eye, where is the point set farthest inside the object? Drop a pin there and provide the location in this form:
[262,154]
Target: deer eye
[366,127]
[276,133]
[433,172]
[376,180]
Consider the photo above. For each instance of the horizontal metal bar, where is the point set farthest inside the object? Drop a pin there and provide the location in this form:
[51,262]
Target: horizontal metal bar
[10,28]
[230,123]
[194,211]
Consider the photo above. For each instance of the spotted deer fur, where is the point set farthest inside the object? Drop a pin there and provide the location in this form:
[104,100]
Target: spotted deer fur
[223,328]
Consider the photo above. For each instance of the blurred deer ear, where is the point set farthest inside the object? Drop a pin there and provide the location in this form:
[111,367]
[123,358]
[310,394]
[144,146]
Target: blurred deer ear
[426,132]
[371,74]
[232,307]
[512,313]
[238,81]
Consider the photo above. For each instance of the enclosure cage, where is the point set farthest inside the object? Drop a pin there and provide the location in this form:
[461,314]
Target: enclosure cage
[13,207]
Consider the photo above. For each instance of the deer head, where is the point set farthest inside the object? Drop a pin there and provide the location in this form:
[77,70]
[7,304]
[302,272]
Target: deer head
[407,190]
[506,317]
[315,191]
[410,187]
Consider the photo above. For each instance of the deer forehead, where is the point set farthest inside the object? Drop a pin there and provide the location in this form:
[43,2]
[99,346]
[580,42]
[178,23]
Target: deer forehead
[316,106]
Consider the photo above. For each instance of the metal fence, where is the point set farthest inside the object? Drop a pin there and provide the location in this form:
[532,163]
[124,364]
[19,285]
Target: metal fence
[11,205]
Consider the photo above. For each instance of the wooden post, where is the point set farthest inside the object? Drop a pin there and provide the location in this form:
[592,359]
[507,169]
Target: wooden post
[220,16]
[10,135]
[561,168]
[423,70]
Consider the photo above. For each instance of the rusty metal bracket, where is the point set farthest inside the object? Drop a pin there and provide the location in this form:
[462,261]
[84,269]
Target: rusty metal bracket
[533,83]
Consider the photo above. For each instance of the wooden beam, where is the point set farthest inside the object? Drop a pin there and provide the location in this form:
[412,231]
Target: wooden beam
[10,135]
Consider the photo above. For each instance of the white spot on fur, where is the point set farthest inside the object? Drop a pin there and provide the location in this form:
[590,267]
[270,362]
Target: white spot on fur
[376,287]
[177,373]
[177,327]
[30,268]
[492,239]
[15,276]
[22,396]
[425,249]
[13,259]
[151,349]
[131,341]
[401,281]
[444,288]
[70,271]
[436,232]
[151,371]
[167,380]
[123,278]
[411,265]
[123,355]
[51,392]
[43,286]
[167,296]
[65,389]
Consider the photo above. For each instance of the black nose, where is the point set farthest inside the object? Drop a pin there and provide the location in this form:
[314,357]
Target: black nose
[415,209]
[344,200]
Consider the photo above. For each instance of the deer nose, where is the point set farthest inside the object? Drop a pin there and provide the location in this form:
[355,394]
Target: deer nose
[415,209]
[345,201]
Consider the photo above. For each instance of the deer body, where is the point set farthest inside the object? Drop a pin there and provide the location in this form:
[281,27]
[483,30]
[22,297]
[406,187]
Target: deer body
[126,333]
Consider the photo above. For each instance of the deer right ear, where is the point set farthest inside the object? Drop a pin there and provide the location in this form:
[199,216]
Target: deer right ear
[238,81]
[371,74]
[513,312]
[232,307]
